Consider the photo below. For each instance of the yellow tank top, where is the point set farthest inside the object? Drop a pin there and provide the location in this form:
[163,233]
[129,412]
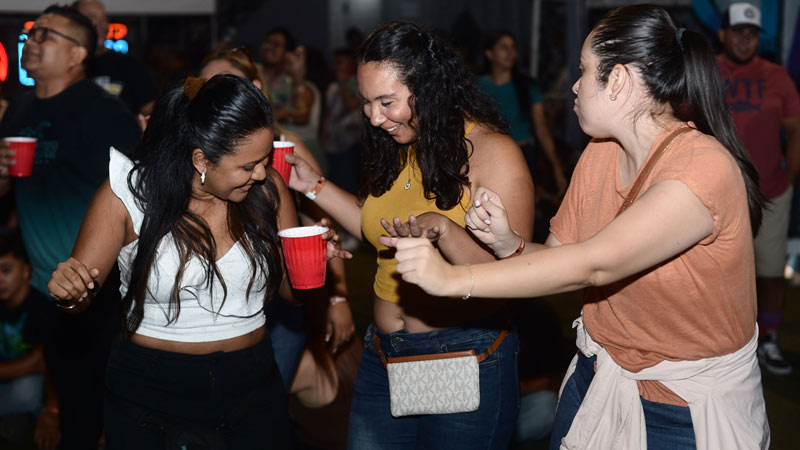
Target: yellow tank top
[401,202]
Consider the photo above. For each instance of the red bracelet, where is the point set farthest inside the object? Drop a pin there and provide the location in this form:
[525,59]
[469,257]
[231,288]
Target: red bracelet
[519,249]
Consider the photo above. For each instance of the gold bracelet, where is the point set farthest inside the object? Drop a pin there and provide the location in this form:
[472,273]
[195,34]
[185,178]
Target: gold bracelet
[469,294]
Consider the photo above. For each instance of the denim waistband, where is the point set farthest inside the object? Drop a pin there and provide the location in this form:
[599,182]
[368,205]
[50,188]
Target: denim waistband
[478,337]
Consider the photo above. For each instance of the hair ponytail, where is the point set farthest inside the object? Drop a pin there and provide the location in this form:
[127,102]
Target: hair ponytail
[709,111]
[678,68]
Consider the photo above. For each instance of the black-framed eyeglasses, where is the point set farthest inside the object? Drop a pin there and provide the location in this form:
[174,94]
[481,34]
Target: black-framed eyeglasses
[39,35]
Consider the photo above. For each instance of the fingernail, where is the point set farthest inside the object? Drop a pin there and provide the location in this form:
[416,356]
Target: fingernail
[487,221]
[91,285]
[487,230]
[85,294]
[327,338]
[477,203]
[485,197]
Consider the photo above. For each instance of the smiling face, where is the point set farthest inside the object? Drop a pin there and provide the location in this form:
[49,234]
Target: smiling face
[740,43]
[234,175]
[590,103]
[387,101]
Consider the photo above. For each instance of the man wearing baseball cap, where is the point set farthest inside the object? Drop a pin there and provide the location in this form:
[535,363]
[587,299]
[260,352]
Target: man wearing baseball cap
[763,101]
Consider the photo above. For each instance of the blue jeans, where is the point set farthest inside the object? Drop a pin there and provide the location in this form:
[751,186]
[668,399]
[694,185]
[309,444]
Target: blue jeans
[669,427]
[373,427]
[22,395]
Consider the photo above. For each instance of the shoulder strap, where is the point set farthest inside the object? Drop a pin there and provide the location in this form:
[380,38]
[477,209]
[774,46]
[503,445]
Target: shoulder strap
[645,172]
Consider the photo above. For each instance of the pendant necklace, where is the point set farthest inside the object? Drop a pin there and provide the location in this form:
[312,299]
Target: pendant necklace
[410,169]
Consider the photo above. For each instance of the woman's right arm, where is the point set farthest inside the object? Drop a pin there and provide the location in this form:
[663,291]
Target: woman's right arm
[100,239]
[341,205]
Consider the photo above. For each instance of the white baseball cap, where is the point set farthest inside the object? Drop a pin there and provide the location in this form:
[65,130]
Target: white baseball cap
[743,14]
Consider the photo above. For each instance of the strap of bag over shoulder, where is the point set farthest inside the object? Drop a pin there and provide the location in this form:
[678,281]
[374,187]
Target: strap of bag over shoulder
[376,342]
[648,167]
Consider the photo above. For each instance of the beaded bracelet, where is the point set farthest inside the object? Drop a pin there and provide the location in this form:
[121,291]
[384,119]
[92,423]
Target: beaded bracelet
[312,194]
[519,249]
[469,294]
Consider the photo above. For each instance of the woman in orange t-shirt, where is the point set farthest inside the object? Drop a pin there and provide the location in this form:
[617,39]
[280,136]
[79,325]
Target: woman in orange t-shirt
[670,309]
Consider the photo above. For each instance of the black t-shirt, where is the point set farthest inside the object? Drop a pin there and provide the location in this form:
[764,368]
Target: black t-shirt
[26,326]
[125,77]
[74,131]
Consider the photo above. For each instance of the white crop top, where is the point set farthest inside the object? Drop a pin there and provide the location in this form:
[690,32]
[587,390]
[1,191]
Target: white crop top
[202,317]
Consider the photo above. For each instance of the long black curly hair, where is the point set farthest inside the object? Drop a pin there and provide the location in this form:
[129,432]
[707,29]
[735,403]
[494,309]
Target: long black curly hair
[443,96]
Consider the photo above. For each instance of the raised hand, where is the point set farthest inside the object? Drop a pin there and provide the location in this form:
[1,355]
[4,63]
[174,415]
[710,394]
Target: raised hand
[333,240]
[429,225]
[419,263]
[487,219]
[72,285]
[303,175]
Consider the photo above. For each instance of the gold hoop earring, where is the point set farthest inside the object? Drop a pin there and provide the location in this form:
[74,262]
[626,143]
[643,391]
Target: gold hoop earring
[203,178]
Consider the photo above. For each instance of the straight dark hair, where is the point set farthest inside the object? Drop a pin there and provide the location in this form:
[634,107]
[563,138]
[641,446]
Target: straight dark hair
[521,82]
[443,96]
[226,111]
[680,69]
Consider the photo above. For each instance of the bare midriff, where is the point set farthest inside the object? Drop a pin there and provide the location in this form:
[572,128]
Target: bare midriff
[431,313]
[202,348]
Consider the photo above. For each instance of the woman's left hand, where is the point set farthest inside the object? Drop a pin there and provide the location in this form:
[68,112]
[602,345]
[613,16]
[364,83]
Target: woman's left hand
[333,240]
[428,225]
[419,263]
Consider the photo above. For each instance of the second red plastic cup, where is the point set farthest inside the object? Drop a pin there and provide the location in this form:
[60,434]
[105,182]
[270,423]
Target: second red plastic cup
[21,161]
[280,148]
[306,256]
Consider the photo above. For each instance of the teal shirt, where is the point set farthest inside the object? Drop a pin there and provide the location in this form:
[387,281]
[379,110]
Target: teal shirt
[74,131]
[505,95]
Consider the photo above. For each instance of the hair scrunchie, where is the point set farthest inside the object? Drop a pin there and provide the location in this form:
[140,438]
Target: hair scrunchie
[192,86]
[679,36]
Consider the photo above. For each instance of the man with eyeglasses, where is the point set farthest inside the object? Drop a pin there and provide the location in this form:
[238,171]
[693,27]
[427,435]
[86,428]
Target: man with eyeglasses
[75,122]
[763,101]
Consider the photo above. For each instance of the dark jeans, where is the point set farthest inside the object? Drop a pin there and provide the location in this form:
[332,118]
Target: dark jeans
[76,353]
[669,427]
[373,427]
[149,388]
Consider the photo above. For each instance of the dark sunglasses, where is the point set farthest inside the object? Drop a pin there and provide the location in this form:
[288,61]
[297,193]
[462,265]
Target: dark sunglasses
[39,35]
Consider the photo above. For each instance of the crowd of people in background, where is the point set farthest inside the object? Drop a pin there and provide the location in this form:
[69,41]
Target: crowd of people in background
[143,296]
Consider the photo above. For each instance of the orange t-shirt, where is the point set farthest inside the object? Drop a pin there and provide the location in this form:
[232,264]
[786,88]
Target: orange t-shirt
[698,304]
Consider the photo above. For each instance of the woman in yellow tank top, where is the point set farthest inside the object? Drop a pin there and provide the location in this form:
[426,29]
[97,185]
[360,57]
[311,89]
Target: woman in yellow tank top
[431,141]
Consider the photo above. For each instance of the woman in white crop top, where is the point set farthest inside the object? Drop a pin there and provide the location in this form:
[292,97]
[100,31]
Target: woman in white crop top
[192,220]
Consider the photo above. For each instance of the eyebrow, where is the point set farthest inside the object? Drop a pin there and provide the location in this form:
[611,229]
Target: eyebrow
[380,97]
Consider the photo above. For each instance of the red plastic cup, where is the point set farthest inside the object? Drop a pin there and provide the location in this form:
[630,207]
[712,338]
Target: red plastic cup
[280,148]
[20,162]
[306,256]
